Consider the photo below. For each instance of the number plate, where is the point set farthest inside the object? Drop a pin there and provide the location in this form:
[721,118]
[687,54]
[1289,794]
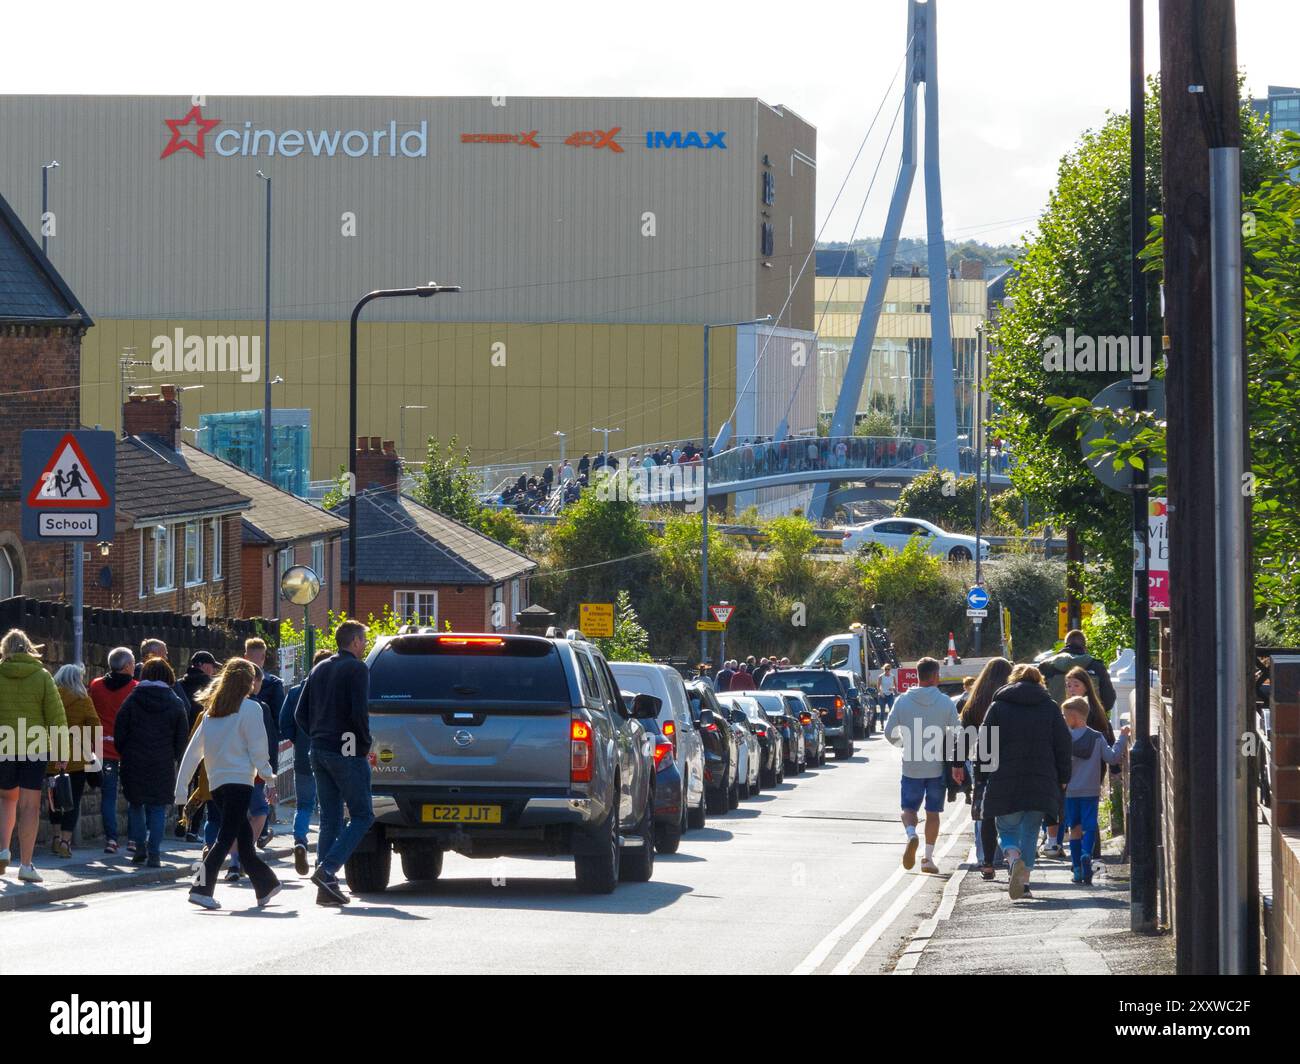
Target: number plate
[461,814]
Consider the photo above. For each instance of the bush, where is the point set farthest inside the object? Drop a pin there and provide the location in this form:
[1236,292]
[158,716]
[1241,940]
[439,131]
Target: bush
[921,597]
[1030,587]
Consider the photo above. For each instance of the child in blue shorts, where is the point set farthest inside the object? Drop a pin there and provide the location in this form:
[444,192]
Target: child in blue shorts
[1090,749]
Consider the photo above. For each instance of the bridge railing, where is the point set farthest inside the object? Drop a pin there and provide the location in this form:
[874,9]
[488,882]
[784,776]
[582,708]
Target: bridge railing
[807,454]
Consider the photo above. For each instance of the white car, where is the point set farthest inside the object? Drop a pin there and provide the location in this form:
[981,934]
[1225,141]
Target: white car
[894,532]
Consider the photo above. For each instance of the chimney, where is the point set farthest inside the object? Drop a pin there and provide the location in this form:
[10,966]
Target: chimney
[972,270]
[158,415]
[377,464]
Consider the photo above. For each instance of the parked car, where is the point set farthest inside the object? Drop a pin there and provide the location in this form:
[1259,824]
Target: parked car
[676,724]
[825,692]
[771,743]
[859,703]
[792,732]
[670,813]
[505,745]
[814,731]
[742,709]
[721,757]
[895,532]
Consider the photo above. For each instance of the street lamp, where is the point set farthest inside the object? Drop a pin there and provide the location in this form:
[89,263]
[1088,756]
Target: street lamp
[45,203]
[561,436]
[704,473]
[606,432]
[401,429]
[266,344]
[423,291]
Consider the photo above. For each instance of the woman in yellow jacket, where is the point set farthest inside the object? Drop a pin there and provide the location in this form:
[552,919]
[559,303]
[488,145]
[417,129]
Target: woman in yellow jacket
[81,750]
[31,714]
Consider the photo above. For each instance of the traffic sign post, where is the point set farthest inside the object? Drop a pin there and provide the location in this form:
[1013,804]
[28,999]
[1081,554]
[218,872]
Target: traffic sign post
[722,614]
[69,480]
[977,602]
[596,619]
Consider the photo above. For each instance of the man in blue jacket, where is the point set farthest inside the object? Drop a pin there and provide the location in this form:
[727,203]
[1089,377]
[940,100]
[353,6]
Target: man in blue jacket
[333,712]
[304,781]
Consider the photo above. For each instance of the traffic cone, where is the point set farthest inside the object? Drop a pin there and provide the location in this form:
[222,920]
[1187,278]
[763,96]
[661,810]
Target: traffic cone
[953,659]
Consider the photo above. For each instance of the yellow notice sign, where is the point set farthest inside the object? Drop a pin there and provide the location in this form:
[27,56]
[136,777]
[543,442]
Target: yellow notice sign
[596,619]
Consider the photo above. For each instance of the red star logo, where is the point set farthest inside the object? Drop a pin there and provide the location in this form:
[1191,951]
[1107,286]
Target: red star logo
[180,141]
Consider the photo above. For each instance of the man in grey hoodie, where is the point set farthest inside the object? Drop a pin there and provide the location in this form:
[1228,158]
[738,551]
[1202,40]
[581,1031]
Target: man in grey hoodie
[922,723]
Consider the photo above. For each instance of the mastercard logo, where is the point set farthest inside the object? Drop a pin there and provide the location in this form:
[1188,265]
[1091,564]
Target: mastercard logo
[1157,508]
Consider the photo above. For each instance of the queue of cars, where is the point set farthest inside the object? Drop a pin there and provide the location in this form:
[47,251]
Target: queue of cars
[509,745]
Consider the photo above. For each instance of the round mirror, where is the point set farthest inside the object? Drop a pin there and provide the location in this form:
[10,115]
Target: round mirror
[299,585]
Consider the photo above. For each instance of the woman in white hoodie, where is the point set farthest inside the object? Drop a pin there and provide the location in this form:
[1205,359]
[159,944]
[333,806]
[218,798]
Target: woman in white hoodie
[230,740]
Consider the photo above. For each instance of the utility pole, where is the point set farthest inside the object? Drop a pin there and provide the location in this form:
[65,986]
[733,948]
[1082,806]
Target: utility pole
[1199,112]
[266,345]
[977,445]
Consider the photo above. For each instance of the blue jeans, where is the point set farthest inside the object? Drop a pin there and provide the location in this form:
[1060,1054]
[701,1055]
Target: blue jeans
[146,818]
[108,796]
[1082,812]
[1019,831]
[341,780]
[304,783]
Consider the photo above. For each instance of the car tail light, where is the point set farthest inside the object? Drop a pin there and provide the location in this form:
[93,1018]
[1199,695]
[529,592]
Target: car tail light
[471,641]
[670,732]
[761,732]
[708,727]
[581,751]
[663,756]
[839,702]
[806,718]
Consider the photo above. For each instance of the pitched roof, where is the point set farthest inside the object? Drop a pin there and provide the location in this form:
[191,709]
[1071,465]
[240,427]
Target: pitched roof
[30,287]
[150,486]
[276,516]
[401,541]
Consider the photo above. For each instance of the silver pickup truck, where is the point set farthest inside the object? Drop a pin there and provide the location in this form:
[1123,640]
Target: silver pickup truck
[505,745]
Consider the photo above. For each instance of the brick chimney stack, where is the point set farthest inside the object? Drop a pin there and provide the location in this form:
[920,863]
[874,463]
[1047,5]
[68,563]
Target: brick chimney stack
[378,465]
[159,415]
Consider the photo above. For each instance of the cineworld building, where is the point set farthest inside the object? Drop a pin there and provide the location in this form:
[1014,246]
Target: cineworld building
[593,239]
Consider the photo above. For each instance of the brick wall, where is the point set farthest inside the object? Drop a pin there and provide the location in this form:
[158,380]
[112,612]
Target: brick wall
[1284,775]
[261,590]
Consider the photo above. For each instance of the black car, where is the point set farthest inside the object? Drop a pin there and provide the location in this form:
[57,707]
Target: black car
[793,742]
[864,720]
[825,692]
[721,758]
[771,743]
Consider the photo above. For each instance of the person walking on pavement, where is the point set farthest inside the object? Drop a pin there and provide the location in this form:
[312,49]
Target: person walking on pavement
[722,681]
[991,679]
[108,693]
[83,721]
[1089,749]
[1078,684]
[1024,725]
[922,722]
[742,680]
[1056,667]
[333,710]
[29,703]
[887,687]
[259,805]
[231,743]
[271,694]
[203,666]
[304,782]
[150,648]
[150,734]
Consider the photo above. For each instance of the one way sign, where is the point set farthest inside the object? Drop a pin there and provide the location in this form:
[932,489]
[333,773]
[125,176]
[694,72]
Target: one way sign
[68,484]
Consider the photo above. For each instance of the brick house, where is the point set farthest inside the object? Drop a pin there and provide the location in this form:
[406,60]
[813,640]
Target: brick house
[179,535]
[423,565]
[41,327]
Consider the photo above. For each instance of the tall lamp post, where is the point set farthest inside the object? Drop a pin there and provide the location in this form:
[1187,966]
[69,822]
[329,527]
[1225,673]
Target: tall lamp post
[423,291]
[704,475]
[977,433]
[266,344]
[606,432]
[561,436]
[45,203]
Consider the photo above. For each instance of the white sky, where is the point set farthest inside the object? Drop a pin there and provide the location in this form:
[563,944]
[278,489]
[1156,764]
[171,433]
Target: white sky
[1019,79]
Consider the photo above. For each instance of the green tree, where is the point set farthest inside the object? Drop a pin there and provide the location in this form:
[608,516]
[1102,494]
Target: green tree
[790,540]
[630,641]
[937,496]
[920,596]
[445,482]
[876,423]
[503,525]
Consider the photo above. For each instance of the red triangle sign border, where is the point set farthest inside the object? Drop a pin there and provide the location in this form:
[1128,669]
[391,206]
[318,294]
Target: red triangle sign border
[33,497]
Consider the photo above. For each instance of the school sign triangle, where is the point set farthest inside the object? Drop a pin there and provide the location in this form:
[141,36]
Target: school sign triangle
[68,479]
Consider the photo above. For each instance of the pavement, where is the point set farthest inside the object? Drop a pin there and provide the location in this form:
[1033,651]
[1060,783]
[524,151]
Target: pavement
[1064,929]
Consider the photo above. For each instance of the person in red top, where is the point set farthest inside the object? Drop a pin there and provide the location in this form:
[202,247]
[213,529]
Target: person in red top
[743,680]
[108,693]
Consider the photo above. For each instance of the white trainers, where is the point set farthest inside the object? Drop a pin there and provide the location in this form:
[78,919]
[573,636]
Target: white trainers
[28,874]
[928,865]
[204,901]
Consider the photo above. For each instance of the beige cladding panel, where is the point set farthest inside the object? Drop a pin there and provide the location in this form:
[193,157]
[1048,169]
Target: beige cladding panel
[505,403]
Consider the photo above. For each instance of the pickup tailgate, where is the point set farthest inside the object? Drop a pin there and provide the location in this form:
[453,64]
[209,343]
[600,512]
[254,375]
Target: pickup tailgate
[493,713]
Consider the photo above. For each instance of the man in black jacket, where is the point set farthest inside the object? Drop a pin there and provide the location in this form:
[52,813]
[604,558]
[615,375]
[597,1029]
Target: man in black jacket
[333,710]
[203,666]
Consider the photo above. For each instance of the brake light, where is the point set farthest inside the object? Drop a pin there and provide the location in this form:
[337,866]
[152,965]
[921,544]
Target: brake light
[806,718]
[581,750]
[663,756]
[839,702]
[471,641]
[670,730]
[708,727]
[761,732]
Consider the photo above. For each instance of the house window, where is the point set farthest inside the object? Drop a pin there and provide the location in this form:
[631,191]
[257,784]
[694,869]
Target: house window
[283,562]
[218,530]
[318,559]
[515,604]
[416,607]
[164,557]
[144,579]
[193,553]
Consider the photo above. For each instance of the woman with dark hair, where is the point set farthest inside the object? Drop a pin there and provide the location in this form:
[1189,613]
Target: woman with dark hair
[149,734]
[1026,731]
[993,676]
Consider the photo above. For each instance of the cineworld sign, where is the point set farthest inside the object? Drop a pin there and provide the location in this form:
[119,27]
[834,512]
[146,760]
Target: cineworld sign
[691,139]
[192,132]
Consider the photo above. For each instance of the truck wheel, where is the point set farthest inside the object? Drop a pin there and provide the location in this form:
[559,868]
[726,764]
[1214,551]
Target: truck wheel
[695,816]
[638,864]
[598,873]
[422,864]
[368,871]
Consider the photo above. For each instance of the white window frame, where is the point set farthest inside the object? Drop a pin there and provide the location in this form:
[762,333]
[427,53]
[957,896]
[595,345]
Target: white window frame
[418,593]
[218,548]
[169,540]
[516,603]
[318,552]
[284,560]
[144,572]
[196,527]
